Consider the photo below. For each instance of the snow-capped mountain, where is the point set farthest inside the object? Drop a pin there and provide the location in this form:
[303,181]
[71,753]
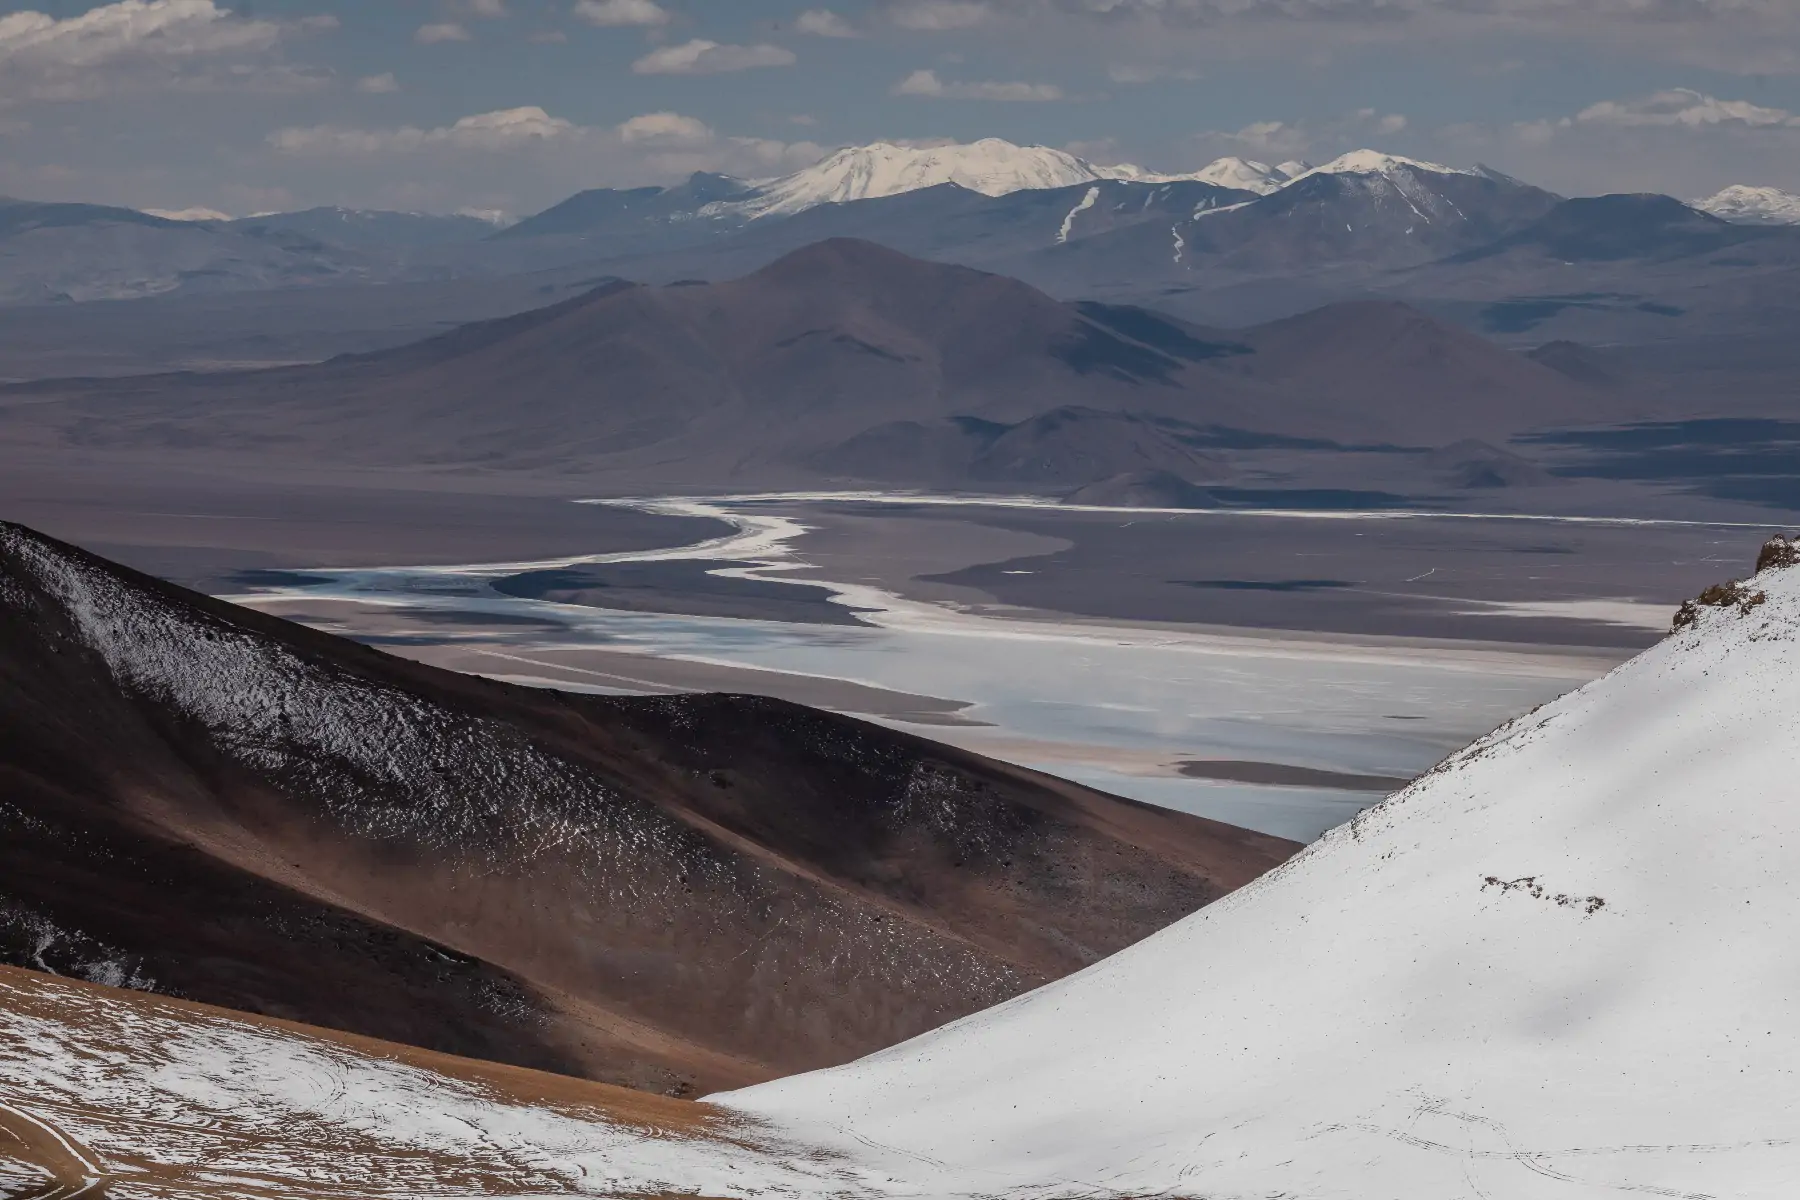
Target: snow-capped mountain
[1374,162]
[1361,208]
[1243,174]
[1558,967]
[989,166]
[1746,205]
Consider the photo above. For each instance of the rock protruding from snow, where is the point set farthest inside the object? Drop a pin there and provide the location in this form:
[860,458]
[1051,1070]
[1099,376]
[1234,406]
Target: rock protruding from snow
[1745,205]
[1561,966]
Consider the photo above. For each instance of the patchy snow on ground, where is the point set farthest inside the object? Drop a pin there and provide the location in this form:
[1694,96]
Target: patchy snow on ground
[1561,966]
[160,1099]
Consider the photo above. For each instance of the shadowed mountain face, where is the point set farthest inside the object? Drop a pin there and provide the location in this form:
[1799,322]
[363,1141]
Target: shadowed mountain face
[1611,228]
[1396,218]
[670,892]
[57,253]
[788,372]
[615,217]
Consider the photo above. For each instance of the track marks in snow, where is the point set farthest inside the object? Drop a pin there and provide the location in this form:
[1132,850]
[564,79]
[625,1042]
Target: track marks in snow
[74,1170]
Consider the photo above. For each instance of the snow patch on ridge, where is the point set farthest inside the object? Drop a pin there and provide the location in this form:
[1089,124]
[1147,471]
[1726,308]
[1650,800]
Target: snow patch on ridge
[1087,202]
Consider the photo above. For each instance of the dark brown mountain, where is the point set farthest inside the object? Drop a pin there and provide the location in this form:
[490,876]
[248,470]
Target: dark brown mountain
[769,379]
[673,893]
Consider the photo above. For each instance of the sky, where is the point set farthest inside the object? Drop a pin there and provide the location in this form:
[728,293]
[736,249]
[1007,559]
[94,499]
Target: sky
[507,106]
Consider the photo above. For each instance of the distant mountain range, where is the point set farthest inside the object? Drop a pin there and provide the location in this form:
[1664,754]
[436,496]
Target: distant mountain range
[848,361]
[1235,243]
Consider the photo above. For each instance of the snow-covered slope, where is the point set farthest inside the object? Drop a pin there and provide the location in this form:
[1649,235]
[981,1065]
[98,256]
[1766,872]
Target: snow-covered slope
[1562,966]
[990,166]
[1753,206]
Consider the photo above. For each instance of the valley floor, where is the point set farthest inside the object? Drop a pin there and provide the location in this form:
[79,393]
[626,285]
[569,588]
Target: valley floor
[1275,670]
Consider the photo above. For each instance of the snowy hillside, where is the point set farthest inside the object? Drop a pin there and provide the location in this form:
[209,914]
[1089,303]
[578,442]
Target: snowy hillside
[1559,967]
[1753,206]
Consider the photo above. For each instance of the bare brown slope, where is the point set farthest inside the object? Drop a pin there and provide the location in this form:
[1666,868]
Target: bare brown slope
[798,370]
[1379,369]
[669,892]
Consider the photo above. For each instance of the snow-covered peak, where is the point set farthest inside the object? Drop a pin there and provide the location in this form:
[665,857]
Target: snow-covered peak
[1560,966]
[991,166]
[1245,173]
[188,214]
[1241,173]
[1747,205]
[1374,162]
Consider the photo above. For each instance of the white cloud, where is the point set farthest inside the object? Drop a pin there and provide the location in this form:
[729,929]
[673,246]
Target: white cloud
[666,129]
[822,22]
[644,13]
[501,130]
[936,16]
[1739,36]
[442,31]
[1134,73]
[926,83]
[487,9]
[652,145]
[701,57]
[1319,139]
[131,28]
[133,43]
[1688,108]
[378,85]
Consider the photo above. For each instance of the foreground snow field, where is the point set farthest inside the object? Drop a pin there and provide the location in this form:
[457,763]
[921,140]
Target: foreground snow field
[1562,965]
